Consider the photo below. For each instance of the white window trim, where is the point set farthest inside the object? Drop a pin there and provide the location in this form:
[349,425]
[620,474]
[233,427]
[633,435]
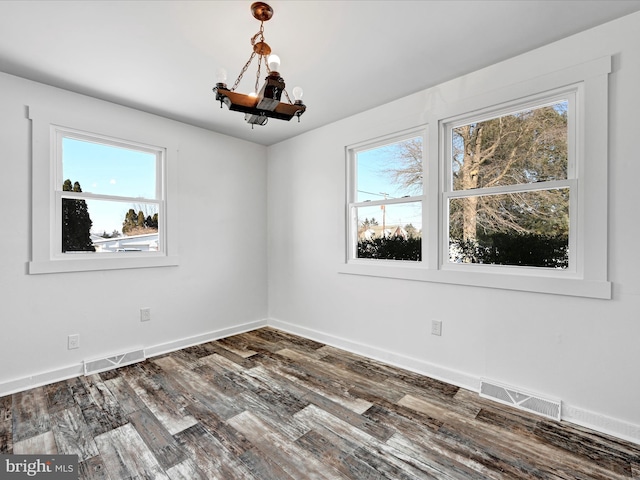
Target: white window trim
[46,256]
[590,277]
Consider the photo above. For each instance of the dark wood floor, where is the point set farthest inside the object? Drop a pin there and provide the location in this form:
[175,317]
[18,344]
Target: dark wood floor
[269,405]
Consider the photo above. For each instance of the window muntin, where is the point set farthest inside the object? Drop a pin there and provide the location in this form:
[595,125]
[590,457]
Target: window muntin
[386,192]
[509,182]
[120,177]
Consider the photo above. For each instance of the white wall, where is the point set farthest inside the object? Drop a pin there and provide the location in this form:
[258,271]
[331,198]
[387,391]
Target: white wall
[585,352]
[220,286]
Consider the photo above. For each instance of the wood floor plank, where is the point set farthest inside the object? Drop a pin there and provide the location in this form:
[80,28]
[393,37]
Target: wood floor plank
[333,450]
[588,445]
[303,393]
[5,408]
[73,435]
[286,339]
[339,379]
[293,460]
[237,344]
[102,410]
[263,467]
[40,444]
[126,397]
[125,455]
[315,380]
[59,396]
[434,462]
[6,437]
[158,439]
[93,469]
[211,456]
[160,397]
[6,425]
[231,439]
[30,416]
[439,410]
[196,387]
[186,470]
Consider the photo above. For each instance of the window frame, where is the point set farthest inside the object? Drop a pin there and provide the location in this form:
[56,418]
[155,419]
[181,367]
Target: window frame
[589,277]
[58,135]
[570,93]
[353,204]
[48,127]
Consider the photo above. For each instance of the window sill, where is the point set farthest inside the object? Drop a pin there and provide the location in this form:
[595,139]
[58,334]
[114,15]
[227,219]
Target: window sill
[100,263]
[555,285]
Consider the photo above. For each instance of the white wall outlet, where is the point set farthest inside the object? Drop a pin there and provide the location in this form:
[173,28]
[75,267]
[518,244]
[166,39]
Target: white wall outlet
[73,341]
[145,314]
[436,327]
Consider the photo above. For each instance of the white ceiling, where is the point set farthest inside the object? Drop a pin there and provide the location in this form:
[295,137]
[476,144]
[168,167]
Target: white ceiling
[349,56]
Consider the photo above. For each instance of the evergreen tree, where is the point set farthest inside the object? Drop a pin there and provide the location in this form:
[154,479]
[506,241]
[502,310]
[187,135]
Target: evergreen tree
[136,223]
[76,222]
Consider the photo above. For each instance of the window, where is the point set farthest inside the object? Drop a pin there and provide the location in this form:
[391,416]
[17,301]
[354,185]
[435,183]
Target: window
[107,192]
[386,195]
[513,186]
[101,201]
[508,189]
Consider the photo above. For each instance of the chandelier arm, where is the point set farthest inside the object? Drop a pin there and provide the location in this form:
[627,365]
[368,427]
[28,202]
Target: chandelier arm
[286,94]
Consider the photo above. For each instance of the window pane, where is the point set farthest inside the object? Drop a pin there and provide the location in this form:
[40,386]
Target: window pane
[390,171]
[526,229]
[391,232]
[525,147]
[109,170]
[109,226]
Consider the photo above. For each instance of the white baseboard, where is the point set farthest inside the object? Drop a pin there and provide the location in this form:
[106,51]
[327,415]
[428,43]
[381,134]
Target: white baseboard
[579,416]
[601,423]
[45,378]
[454,377]
[205,337]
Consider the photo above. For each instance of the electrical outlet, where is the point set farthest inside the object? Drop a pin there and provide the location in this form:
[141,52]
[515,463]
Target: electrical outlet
[73,342]
[436,327]
[145,314]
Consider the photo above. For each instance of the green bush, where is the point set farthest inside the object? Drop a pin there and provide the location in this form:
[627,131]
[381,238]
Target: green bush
[529,250]
[391,248]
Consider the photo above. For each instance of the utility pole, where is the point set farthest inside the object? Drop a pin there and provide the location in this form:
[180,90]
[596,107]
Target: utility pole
[384,214]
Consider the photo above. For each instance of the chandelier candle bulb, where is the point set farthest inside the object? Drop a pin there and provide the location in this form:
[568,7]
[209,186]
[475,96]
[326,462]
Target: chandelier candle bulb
[297,94]
[221,77]
[274,63]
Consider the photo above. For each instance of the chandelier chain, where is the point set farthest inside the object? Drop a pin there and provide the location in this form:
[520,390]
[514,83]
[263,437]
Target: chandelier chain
[257,87]
[253,54]
[244,69]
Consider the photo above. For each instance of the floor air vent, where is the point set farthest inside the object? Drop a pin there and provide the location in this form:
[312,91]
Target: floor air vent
[108,363]
[519,399]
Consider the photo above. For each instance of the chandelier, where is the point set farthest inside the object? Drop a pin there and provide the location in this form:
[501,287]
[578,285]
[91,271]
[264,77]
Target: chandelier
[265,103]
